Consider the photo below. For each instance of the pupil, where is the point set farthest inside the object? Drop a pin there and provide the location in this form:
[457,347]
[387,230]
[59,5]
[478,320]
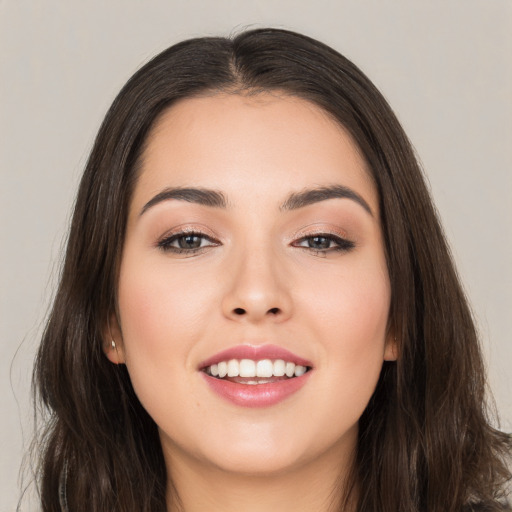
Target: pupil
[319,242]
[189,242]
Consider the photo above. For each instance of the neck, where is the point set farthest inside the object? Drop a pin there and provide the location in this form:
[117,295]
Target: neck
[195,486]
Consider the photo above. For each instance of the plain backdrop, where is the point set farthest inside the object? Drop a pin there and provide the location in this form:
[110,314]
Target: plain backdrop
[444,65]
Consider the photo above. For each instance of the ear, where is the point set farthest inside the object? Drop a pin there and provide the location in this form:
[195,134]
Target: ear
[113,341]
[391,347]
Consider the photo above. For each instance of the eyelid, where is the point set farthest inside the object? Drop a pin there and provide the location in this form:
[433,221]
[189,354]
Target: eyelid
[342,242]
[163,242]
[317,230]
[189,229]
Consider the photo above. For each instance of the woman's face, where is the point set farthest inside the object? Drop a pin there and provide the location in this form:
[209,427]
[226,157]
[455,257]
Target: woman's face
[254,229]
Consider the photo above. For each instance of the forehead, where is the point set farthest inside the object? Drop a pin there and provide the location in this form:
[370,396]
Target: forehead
[265,144]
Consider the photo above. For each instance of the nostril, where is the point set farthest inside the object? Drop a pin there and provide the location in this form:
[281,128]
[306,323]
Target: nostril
[239,311]
[274,311]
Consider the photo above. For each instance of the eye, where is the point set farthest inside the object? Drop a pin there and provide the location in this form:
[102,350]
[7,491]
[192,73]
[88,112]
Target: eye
[186,242]
[324,243]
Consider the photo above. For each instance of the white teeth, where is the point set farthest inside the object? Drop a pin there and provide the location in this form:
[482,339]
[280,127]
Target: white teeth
[247,368]
[233,368]
[262,369]
[300,370]
[290,369]
[223,369]
[279,368]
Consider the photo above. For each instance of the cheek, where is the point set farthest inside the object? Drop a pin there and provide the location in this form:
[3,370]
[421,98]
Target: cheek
[353,303]
[162,314]
[352,320]
[153,297]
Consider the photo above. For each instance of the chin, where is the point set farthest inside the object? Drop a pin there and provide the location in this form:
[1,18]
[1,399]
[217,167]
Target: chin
[256,463]
[268,450]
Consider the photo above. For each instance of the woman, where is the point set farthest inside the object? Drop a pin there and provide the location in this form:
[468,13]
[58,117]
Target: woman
[258,309]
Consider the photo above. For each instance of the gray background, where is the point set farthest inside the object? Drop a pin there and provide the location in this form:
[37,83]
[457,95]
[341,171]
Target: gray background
[444,65]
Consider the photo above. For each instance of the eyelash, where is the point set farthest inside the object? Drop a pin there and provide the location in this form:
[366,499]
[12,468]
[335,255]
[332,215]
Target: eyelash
[165,243]
[342,244]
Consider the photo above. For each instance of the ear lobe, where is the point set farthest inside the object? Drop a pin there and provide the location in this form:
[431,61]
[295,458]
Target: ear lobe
[391,348]
[113,341]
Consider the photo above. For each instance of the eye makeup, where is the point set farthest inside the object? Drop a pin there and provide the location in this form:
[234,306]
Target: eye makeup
[324,243]
[186,242]
[193,241]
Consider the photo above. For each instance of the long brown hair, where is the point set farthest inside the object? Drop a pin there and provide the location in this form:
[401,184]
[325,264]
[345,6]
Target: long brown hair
[425,440]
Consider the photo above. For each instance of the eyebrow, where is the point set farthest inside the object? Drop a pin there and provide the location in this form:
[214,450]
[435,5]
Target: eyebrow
[310,196]
[204,197]
[296,200]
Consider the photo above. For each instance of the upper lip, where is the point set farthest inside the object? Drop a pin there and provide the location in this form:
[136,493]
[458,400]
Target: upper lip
[256,353]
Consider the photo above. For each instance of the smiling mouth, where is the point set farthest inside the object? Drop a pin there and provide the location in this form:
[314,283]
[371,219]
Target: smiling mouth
[252,372]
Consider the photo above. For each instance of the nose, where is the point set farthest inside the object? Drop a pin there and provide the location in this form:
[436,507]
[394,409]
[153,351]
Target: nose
[258,288]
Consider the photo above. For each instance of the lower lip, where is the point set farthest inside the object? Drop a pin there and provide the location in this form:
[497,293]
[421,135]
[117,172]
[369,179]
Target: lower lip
[256,395]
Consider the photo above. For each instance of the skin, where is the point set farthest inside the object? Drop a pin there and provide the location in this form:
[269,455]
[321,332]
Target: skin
[330,307]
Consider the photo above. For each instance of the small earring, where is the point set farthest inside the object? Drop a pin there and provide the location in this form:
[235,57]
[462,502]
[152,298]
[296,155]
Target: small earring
[113,343]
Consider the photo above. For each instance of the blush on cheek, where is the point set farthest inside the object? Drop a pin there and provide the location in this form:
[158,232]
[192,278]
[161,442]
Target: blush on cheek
[361,321]
[143,317]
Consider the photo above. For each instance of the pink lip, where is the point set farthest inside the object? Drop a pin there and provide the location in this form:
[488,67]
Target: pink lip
[257,395]
[256,353]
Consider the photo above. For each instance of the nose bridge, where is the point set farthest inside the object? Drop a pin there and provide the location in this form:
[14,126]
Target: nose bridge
[257,286]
